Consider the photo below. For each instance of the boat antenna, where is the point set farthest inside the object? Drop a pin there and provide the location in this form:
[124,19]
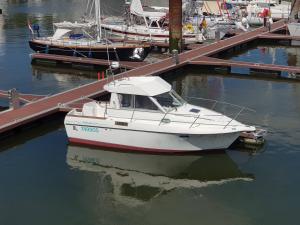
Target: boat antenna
[108,59]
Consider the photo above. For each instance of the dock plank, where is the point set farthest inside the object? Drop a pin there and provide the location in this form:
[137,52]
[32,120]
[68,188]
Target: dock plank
[84,60]
[259,66]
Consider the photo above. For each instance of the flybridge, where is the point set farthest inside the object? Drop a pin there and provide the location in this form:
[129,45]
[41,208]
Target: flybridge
[147,86]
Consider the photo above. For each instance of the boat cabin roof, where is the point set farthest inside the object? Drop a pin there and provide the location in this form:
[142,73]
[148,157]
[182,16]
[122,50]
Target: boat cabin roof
[146,86]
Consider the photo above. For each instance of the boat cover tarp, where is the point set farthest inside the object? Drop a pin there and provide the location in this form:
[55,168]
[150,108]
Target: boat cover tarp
[136,8]
[60,33]
[71,25]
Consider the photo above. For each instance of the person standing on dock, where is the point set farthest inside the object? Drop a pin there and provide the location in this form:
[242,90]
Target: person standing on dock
[203,25]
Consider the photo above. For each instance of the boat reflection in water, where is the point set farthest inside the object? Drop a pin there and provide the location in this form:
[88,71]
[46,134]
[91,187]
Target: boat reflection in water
[135,178]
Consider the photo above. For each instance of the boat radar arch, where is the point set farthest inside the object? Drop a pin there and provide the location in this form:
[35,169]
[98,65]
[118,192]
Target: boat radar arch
[146,86]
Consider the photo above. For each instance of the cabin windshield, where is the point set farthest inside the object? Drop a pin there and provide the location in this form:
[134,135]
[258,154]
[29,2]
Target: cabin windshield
[169,99]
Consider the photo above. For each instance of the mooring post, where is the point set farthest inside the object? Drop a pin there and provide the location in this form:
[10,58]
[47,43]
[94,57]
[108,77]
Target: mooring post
[175,25]
[175,56]
[14,101]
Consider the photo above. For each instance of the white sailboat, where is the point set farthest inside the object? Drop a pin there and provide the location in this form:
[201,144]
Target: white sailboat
[148,26]
[73,39]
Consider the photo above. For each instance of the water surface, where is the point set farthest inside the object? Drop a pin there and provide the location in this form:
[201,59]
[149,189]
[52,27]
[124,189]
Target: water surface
[46,181]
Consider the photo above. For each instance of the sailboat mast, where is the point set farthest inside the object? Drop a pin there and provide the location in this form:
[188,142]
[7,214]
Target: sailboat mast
[98,19]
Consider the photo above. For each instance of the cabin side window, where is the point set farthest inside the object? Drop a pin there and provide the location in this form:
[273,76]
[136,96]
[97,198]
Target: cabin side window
[144,102]
[127,101]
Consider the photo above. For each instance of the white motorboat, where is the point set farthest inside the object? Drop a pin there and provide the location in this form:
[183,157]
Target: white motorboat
[145,114]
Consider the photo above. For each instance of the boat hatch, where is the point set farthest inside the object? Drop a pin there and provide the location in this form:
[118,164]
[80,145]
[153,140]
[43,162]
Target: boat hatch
[195,110]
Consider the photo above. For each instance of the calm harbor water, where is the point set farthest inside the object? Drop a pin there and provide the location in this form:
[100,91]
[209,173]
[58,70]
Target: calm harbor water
[44,180]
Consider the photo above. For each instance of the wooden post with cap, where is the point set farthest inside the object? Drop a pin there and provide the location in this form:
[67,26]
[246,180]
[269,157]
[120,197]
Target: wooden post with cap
[175,25]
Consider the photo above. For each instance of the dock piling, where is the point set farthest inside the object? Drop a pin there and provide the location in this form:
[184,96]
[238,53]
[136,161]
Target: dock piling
[14,101]
[175,25]
[175,56]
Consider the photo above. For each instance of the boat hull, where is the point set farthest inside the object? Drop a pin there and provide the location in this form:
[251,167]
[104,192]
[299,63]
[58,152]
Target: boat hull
[123,53]
[147,141]
[149,35]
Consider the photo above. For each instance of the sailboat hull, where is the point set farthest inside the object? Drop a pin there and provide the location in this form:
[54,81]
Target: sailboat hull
[121,52]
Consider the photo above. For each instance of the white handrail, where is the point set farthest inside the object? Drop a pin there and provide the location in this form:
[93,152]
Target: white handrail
[221,102]
[192,123]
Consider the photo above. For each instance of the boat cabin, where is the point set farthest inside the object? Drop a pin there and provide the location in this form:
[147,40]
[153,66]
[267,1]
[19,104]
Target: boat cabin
[143,93]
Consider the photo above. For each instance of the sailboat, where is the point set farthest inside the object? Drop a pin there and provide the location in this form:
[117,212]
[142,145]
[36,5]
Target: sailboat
[145,25]
[74,40]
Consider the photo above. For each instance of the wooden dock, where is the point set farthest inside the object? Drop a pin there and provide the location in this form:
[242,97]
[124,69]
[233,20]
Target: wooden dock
[271,36]
[82,60]
[209,61]
[51,104]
